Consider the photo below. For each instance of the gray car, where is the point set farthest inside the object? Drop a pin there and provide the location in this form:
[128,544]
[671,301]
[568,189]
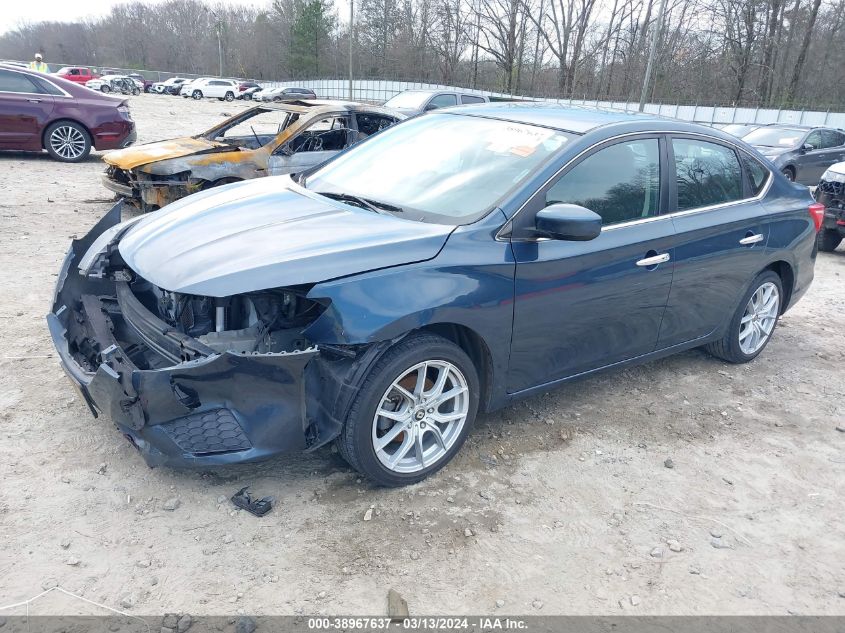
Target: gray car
[802,153]
[413,102]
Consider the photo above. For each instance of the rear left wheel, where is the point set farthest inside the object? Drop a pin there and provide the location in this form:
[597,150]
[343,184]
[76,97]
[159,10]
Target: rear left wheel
[413,412]
[67,141]
[753,323]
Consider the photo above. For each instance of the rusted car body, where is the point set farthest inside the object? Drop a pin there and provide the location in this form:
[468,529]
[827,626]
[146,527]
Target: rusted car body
[267,140]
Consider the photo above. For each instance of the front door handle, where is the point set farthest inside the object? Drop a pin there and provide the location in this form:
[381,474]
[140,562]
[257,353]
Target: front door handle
[750,240]
[34,100]
[654,260]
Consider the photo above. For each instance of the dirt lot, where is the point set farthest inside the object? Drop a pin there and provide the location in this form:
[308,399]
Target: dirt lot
[560,504]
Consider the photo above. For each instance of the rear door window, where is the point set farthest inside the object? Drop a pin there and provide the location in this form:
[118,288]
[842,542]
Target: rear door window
[465,99]
[832,138]
[707,174]
[620,182]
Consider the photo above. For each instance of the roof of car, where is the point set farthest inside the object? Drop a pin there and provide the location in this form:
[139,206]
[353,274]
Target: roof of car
[317,106]
[570,118]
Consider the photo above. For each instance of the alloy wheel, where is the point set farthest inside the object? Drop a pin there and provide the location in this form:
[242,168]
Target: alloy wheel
[68,142]
[758,320]
[420,416]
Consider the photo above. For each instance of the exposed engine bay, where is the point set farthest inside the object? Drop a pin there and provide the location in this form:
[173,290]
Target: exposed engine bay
[268,321]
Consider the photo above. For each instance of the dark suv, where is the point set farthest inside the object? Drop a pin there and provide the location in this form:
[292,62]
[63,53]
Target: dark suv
[39,111]
[801,153]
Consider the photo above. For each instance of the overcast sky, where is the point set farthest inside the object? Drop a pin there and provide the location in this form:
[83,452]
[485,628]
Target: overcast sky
[15,12]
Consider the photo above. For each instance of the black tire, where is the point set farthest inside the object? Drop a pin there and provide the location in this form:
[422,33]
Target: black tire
[728,348]
[230,96]
[828,240]
[355,443]
[105,88]
[248,97]
[788,173]
[78,145]
[136,92]
[196,95]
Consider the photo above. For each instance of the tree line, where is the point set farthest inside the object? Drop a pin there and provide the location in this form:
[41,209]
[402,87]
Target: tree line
[758,53]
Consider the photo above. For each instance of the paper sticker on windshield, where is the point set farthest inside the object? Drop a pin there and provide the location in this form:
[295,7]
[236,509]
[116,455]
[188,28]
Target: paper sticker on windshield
[520,140]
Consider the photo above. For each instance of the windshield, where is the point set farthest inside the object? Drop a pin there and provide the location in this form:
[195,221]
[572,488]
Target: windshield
[407,99]
[774,137]
[441,167]
[253,129]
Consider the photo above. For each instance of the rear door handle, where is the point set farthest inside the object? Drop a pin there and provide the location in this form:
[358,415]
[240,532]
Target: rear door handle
[653,261]
[748,240]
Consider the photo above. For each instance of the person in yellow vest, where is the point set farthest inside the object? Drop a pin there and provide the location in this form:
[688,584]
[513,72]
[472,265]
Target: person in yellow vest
[38,65]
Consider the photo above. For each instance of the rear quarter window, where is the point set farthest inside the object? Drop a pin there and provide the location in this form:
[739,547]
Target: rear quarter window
[758,175]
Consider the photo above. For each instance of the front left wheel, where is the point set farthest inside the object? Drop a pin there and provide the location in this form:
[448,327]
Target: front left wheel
[413,411]
[230,96]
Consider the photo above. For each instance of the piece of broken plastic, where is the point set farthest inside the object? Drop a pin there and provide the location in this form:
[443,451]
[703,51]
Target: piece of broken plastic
[258,507]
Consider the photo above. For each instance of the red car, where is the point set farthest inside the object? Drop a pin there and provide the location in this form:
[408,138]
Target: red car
[39,111]
[77,74]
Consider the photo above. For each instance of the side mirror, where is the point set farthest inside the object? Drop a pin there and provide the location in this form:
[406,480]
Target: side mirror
[808,147]
[568,222]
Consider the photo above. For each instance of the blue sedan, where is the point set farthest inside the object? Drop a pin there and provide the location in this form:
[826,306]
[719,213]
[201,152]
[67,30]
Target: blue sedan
[444,267]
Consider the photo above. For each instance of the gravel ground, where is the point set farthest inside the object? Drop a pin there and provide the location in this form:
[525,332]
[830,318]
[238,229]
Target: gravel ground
[564,503]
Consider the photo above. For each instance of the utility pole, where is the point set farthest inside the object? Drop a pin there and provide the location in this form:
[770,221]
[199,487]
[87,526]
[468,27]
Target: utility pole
[219,41]
[652,53]
[351,35]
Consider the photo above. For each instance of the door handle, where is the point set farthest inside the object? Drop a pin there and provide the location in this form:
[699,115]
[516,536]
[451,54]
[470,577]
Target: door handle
[750,240]
[34,100]
[653,261]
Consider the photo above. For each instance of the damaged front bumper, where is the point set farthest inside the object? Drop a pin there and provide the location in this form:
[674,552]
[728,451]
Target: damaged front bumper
[147,194]
[197,407]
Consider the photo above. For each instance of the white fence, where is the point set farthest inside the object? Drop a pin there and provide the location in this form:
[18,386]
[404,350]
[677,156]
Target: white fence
[377,91]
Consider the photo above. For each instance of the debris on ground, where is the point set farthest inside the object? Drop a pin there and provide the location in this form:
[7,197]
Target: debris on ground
[397,606]
[257,507]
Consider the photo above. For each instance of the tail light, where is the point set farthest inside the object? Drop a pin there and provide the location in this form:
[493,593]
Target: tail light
[817,213]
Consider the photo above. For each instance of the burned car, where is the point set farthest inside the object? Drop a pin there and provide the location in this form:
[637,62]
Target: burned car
[382,299]
[267,140]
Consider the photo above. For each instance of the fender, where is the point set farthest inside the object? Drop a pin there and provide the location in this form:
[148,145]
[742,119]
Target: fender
[470,283]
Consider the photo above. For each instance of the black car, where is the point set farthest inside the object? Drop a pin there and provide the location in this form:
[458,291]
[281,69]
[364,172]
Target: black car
[800,152]
[831,193]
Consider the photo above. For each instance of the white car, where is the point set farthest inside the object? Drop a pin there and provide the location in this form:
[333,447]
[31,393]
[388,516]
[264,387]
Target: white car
[162,87]
[110,83]
[223,89]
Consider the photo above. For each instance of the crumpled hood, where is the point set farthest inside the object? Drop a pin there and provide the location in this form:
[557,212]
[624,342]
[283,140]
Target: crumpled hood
[137,155]
[268,233]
